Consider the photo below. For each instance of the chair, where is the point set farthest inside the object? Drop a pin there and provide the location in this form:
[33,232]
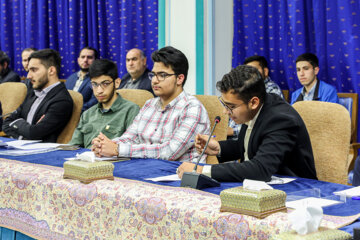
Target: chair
[138,96]
[286,95]
[329,129]
[214,108]
[66,134]
[12,94]
[350,102]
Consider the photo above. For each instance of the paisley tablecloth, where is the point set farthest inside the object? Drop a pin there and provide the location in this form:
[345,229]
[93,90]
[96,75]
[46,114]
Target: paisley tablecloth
[35,200]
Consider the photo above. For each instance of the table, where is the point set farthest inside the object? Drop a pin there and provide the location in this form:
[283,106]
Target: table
[35,200]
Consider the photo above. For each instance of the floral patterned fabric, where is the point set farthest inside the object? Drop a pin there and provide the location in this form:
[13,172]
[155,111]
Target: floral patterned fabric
[36,200]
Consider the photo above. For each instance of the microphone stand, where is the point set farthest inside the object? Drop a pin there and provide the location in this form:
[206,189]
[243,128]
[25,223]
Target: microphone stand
[196,180]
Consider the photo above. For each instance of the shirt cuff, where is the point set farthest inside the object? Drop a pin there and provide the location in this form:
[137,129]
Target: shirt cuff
[124,150]
[207,170]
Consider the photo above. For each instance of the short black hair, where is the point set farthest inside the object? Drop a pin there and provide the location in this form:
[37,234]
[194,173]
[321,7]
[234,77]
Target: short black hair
[96,53]
[262,61]
[103,67]
[48,57]
[309,57]
[4,58]
[29,49]
[245,81]
[174,58]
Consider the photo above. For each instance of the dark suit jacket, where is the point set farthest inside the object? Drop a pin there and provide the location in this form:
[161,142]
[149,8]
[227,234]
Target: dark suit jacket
[85,90]
[145,82]
[56,107]
[279,144]
[10,76]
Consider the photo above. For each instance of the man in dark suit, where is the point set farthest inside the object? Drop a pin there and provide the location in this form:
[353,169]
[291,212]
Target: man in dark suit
[46,110]
[6,74]
[80,81]
[274,141]
[137,76]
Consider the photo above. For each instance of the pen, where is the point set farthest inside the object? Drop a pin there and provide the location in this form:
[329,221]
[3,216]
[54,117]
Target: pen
[213,136]
[356,198]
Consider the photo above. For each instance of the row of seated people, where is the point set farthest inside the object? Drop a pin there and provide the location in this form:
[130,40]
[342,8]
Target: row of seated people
[135,78]
[165,125]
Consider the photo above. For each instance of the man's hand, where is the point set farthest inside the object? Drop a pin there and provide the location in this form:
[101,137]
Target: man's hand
[213,147]
[187,167]
[104,147]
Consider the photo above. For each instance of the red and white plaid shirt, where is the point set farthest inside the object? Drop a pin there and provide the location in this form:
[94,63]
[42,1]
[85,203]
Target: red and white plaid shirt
[166,133]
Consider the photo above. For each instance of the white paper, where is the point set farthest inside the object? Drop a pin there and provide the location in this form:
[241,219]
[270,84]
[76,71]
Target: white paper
[352,192]
[18,143]
[320,202]
[16,152]
[36,146]
[255,185]
[168,178]
[277,180]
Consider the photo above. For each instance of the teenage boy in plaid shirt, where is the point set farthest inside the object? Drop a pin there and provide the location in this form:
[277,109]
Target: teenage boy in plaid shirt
[165,125]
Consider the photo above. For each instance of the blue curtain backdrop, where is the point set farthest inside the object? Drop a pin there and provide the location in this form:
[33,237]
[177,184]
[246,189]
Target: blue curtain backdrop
[111,26]
[281,30]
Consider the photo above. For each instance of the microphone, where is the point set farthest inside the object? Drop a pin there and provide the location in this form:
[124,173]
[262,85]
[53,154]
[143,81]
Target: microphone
[196,180]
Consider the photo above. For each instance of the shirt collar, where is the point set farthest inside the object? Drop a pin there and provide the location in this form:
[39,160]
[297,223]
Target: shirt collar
[79,76]
[158,104]
[251,123]
[311,92]
[40,93]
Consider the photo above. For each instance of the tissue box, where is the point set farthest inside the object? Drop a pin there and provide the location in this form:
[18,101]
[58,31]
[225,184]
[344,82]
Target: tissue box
[254,203]
[322,233]
[87,172]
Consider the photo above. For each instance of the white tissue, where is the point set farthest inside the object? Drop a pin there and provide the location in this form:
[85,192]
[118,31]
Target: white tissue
[255,185]
[86,156]
[306,219]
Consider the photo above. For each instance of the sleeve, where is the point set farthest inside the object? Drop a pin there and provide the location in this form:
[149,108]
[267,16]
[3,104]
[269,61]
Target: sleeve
[132,113]
[55,118]
[191,122]
[11,131]
[275,143]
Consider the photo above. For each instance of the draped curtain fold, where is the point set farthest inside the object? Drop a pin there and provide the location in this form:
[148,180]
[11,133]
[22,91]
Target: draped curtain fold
[282,30]
[113,27]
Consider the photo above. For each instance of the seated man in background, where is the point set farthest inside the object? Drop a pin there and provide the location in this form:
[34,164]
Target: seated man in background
[25,62]
[112,115]
[46,110]
[137,76]
[165,125]
[6,74]
[307,68]
[273,139]
[80,81]
[260,63]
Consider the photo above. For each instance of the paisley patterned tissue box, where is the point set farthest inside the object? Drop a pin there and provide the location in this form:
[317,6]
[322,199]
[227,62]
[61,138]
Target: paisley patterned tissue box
[254,203]
[87,172]
[322,233]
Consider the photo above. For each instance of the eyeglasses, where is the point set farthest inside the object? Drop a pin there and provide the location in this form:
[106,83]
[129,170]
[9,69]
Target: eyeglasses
[227,107]
[103,84]
[161,76]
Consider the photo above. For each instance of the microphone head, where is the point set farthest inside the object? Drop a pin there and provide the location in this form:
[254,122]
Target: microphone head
[217,119]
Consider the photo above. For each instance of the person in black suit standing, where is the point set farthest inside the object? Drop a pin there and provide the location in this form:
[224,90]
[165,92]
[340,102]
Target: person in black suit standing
[46,110]
[274,140]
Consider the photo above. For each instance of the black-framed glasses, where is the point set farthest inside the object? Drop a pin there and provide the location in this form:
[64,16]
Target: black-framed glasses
[227,107]
[161,76]
[103,84]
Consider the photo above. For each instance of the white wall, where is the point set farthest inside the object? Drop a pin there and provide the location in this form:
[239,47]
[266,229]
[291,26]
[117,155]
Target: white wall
[180,33]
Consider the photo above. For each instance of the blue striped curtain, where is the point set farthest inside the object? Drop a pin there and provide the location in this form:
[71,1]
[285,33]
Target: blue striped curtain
[111,26]
[282,30]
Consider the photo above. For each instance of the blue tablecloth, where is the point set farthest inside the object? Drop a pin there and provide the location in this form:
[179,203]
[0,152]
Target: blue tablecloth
[139,169]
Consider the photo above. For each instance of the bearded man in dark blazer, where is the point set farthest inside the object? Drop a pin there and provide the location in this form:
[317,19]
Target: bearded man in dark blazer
[46,110]
[273,139]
